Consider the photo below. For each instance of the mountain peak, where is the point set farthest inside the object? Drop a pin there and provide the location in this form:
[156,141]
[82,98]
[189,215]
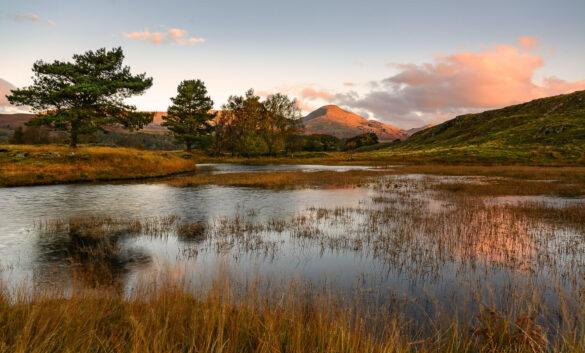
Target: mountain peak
[333,120]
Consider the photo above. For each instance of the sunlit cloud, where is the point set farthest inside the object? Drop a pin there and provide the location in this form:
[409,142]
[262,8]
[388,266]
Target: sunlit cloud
[459,83]
[303,93]
[31,17]
[173,36]
[310,94]
[349,84]
[527,43]
[305,107]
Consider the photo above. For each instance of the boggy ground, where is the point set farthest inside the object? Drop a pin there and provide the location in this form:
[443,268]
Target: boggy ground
[422,227]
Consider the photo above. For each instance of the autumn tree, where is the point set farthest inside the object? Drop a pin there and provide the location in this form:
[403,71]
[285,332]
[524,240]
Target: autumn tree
[251,126]
[244,115]
[85,95]
[189,117]
[282,118]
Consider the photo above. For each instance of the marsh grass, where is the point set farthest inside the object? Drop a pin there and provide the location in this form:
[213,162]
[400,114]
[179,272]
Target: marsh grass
[35,165]
[536,246]
[162,314]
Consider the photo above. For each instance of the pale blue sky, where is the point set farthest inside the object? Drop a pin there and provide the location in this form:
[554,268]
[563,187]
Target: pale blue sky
[291,45]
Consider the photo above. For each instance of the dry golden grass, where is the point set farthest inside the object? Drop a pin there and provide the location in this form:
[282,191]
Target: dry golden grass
[33,165]
[289,179]
[164,316]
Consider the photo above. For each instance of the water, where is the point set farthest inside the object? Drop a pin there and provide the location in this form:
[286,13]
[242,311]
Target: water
[361,250]
[222,168]
[24,252]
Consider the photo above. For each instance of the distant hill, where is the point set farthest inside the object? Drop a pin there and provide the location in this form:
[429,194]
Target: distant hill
[417,129]
[13,121]
[9,122]
[333,120]
[542,130]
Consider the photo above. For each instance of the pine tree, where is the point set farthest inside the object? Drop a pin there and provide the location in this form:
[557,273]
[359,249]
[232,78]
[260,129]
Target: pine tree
[86,95]
[189,117]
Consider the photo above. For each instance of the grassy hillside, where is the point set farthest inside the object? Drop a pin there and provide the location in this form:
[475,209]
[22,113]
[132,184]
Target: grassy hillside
[546,131]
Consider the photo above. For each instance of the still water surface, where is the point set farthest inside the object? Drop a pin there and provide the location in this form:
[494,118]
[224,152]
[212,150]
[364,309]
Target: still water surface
[26,255]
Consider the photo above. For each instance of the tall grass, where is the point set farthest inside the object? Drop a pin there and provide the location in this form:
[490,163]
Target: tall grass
[164,315]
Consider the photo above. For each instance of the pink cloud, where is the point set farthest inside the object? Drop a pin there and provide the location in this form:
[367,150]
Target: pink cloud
[31,17]
[305,107]
[174,36]
[310,93]
[349,84]
[462,82]
[527,43]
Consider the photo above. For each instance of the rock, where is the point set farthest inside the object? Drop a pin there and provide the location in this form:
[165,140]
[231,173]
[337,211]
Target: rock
[545,130]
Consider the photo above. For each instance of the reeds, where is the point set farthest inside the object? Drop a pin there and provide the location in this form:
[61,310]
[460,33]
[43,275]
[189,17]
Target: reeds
[417,228]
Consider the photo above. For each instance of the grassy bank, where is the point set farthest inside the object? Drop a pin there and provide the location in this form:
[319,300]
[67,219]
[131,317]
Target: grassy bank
[466,155]
[35,165]
[290,179]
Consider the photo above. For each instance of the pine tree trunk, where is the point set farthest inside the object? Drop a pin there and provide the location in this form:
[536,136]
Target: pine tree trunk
[73,141]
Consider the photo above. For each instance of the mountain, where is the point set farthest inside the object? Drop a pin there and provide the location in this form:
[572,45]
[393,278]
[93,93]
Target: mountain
[417,129]
[542,130]
[333,120]
[12,121]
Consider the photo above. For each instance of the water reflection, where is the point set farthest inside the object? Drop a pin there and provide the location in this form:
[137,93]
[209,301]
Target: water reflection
[396,239]
[27,254]
[222,168]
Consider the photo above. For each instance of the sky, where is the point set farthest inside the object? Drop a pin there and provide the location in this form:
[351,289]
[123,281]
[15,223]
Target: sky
[405,63]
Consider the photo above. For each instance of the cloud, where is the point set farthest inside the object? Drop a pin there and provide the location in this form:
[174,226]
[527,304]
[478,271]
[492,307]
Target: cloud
[31,17]
[311,94]
[458,83]
[174,36]
[349,84]
[305,107]
[527,43]
[303,93]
